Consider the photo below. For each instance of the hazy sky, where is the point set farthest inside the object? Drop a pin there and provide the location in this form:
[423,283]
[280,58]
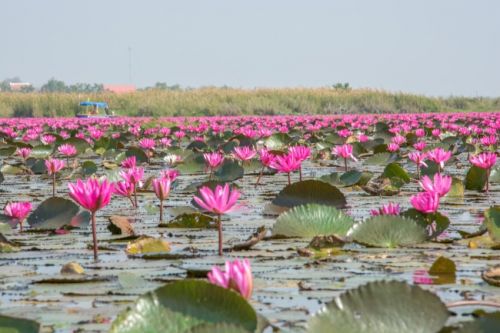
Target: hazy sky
[434,47]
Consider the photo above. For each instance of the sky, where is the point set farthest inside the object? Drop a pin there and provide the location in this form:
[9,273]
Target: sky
[431,47]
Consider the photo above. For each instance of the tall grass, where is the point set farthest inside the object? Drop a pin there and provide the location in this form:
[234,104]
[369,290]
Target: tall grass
[225,101]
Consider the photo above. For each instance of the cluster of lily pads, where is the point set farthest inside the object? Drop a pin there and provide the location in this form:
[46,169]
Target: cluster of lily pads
[90,163]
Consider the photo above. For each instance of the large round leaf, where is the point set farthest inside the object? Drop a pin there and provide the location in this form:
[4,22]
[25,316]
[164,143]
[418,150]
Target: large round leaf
[475,179]
[80,144]
[139,154]
[193,163]
[381,159]
[41,151]
[218,328]
[388,231]
[394,170]
[382,307]
[18,325]
[438,221]
[312,220]
[53,213]
[492,222]
[486,323]
[182,305]
[310,191]
[229,171]
[277,141]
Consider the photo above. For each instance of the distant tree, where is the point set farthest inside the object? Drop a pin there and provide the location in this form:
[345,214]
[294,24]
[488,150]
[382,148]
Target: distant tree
[341,86]
[5,84]
[54,85]
[27,89]
[85,88]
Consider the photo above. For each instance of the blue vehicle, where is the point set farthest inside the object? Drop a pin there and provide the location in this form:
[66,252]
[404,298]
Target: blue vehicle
[92,110]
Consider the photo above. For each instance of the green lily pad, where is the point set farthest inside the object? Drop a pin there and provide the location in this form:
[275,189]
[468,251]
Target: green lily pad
[475,179]
[180,306]
[456,193]
[332,179]
[7,150]
[229,171]
[192,220]
[18,325]
[146,244]
[88,168]
[218,328]
[310,191]
[430,170]
[492,222]
[193,163]
[355,177]
[394,170]
[380,159]
[388,231]
[443,271]
[139,154]
[312,220]
[382,306]
[8,169]
[42,151]
[486,323]
[277,141]
[80,144]
[495,175]
[440,221]
[37,166]
[53,213]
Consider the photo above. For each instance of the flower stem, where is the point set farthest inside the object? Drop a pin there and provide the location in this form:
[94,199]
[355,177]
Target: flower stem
[345,164]
[135,195]
[260,176]
[94,235]
[54,184]
[289,182]
[300,173]
[161,210]
[219,226]
[488,180]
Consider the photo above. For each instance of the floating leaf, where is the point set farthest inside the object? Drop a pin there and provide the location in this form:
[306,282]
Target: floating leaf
[380,159]
[7,150]
[492,276]
[18,325]
[382,306]
[383,186]
[42,151]
[229,171]
[120,225]
[72,268]
[8,169]
[139,154]
[310,191]
[53,213]
[495,175]
[492,222]
[388,231]
[486,323]
[394,170]
[312,220]
[37,166]
[192,220]
[147,244]
[80,144]
[475,179]
[456,193]
[218,328]
[88,168]
[277,141]
[332,179]
[430,170]
[438,221]
[443,271]
[193,163]
[182,305]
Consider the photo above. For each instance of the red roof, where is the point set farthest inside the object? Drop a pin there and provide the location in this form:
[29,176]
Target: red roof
[119,88]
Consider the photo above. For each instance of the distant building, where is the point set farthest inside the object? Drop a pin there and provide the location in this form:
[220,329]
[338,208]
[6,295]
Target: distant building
[18,86]
[119,88]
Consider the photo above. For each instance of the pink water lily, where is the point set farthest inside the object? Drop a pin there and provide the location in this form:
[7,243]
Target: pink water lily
[213,161]
[485,160]
[237,276]
[67,150]
[266,158]
[18,211]
[285,164]
[133,176]
[125,189]
[418,158]
[344,151]
[53,167]
[129,162]
[425,202]
[300,153]
[439,156]
[387,209]
[24,153]
[161,187]
[244,153]
[440,184]
[92,195]
[219,201]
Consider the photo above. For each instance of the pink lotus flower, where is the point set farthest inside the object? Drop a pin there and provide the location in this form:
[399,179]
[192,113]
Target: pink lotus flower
[363,137]
[213,161]
[67,150]
[421,276]
[344,151]
[48,139]
[418,158]
[165,142]
[440,186]
[439,156]
[18,211]
[393,147]
[285,164]
[219,201]
[129,162]
[237,276]
[147,143]
[490,140]
[171,174]
[24,153]
[300,153]
[125,189]
[54,166]
[420,132]
[133,176]
[398,140]
[486,161]
[425,202]
[266,157]
[388,209]
[161,187]
[91,195]
[420,145]
[436,132]
[244,153]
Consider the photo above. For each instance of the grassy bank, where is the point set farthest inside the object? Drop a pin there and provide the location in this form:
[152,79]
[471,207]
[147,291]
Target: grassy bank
[220,101]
